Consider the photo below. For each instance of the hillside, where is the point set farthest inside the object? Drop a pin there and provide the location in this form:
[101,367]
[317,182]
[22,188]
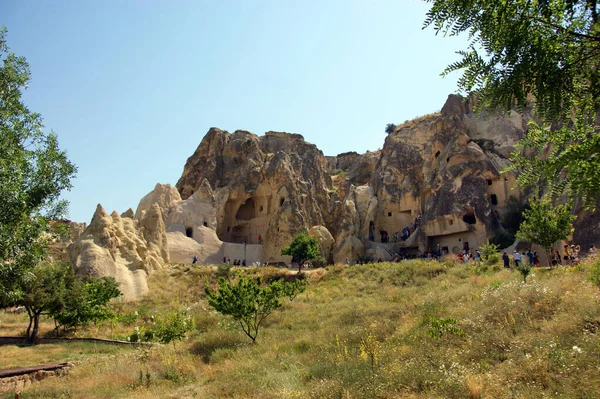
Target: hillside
[406,330]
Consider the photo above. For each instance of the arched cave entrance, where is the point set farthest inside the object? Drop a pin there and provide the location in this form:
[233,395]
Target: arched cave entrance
[189,231]
[246,211]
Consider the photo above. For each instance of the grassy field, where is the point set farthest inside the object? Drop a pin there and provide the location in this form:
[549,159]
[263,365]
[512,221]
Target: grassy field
[407,330]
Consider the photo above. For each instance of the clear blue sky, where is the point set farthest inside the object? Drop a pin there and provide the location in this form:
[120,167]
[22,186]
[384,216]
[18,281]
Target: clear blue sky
[131,87]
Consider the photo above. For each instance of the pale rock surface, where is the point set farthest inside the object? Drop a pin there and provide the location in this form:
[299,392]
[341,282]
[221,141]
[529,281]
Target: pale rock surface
[116,247]
[205,245]
[325,240]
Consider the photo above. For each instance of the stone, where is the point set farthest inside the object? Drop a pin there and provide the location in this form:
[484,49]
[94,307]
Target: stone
[118,247]
[325,240]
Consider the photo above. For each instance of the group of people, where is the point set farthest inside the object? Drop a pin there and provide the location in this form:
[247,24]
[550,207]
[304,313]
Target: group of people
[571,256]
[236,262]
[408,230]
[467,256]
[404,235]
[532,258]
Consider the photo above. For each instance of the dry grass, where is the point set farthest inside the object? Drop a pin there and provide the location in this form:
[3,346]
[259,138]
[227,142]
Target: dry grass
[374,331]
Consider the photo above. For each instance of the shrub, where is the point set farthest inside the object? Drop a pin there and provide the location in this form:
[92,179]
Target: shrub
[440,327]
[489,253]
[389,128]
[170,327]
[246,301]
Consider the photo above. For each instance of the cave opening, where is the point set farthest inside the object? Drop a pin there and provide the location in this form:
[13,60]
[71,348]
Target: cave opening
[469,218]
[246,211]
[189,232]
[494,199]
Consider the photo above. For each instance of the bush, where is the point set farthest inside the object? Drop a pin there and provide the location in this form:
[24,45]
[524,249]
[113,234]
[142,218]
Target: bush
[389,128]
[489,253]
[170,327]
[246,301]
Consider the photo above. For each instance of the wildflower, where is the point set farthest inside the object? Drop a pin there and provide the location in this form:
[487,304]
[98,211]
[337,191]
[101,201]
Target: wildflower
[577,349]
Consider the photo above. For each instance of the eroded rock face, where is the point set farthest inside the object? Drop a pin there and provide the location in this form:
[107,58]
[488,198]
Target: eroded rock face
[122,248]
[270,186]
[245,196]
[325,240]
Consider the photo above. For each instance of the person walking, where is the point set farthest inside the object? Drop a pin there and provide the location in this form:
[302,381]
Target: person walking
[506,260]
[517,258]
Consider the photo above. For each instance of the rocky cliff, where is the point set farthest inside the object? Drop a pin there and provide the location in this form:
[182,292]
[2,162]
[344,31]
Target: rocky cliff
[437,183]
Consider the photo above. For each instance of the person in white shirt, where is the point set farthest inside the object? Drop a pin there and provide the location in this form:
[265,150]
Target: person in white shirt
[517,258]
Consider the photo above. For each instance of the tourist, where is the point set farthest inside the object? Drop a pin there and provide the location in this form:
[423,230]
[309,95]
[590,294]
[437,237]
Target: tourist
[576,252]
[506,260]
[556,258]
[194,260]
[244,263]
[567,256]
[517,258]
[593,251]
[259,239]
[536,259]
[347,262]
[530,256]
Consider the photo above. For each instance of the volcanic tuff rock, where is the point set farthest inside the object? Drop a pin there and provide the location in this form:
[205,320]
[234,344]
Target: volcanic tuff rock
[242,196]
[267,186]
[123,248]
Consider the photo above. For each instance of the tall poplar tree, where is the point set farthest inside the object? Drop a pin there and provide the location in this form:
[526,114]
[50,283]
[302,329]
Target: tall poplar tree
[33,173]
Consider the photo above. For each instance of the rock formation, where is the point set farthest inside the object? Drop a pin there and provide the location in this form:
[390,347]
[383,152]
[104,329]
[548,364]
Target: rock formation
[123,248]
[241,196]
[269,186]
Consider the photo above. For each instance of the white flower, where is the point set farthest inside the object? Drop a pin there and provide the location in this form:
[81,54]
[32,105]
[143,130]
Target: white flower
[577,349]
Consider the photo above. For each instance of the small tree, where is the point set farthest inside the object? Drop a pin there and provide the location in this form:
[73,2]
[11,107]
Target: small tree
[291,289]
[45,291]
[86,300]
[544,224]
[389,128]
[489,252]
[247,301]
[302,248]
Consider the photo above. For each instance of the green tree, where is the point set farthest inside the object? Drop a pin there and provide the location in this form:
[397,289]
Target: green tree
[545,53]
[44,291]
[33,173]
[291,289]
[247,301]
[86,300]
[302,248]
[490,254]
[544,224]
[389,128]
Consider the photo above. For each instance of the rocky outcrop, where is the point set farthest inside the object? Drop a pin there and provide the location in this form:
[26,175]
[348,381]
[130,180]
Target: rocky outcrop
[242,196]
[123,248]
[270,186]
[325,240]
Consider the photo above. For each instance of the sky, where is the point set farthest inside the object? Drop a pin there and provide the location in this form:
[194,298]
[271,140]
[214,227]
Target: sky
[131,87]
